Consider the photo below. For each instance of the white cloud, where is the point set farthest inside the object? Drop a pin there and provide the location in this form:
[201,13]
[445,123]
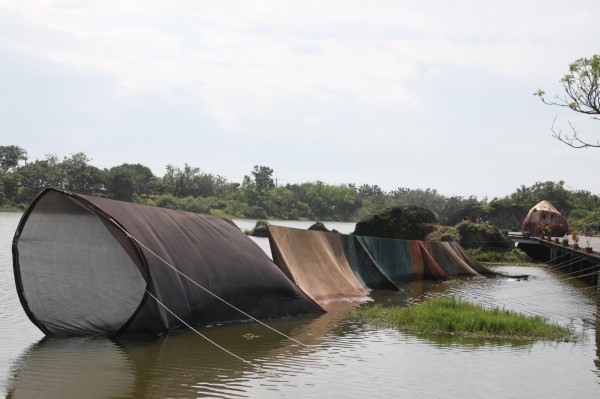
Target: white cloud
[321,72]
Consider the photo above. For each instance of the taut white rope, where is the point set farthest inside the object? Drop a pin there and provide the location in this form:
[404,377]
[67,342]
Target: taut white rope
[198,332]
[258,321]
[212,293]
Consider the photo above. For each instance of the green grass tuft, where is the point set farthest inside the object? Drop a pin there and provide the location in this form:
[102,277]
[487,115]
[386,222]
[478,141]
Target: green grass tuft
[448,316]
[513,257]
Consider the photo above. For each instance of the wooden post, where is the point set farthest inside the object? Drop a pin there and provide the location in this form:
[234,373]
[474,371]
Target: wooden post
[598,302]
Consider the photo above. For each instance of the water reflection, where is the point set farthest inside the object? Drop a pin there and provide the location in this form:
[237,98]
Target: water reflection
[66,368]
[181,364]
[410,292]
[340,351]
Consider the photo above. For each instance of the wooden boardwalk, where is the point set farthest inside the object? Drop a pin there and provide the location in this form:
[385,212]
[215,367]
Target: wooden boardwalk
[575,262]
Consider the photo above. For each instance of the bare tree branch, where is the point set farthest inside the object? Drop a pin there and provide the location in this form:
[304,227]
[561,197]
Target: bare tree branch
[582,95]
[573,140]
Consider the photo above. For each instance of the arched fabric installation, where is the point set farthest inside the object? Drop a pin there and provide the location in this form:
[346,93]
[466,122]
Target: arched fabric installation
[317,263]
[336,267]
[545,219]
[85,265]
[399,259]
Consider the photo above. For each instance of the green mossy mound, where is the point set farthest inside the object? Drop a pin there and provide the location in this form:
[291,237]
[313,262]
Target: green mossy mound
[483,236]
[260,229]
[318,226]
[401,222]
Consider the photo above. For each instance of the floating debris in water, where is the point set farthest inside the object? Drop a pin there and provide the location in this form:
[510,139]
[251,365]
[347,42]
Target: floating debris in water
[250,336]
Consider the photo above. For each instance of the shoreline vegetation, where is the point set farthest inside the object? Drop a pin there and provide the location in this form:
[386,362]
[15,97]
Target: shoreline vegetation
[11,209]
[259,196]
[451,317]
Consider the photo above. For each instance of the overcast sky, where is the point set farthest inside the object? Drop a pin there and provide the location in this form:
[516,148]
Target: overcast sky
[418,94]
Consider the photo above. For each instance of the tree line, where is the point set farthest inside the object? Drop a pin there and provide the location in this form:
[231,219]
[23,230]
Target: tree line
[258,197]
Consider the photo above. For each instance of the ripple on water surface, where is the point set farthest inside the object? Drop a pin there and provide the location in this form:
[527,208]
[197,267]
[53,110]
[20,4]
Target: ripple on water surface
[344,358]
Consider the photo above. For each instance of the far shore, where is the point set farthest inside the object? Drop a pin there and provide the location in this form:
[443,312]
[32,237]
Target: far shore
[11,210]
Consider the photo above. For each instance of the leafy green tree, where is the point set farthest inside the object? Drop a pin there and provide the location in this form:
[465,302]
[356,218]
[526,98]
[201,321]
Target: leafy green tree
[582,95]
[556,193]
[179,182]
[263,178]
[223,188]
[10,156]
[582,199]
[282,204]
[248,192]
[126,181]
[188,181]
[73,174]
[251,203]
[582,219]
[329,202]
[373,200]
[255,189]
[80,177]
[33,177]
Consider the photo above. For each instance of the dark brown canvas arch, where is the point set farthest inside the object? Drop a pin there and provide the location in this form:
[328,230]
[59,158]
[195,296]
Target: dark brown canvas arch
[103,248]
[52,204]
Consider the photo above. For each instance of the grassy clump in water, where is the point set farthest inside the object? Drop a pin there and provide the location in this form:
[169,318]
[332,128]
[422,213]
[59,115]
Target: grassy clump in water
[515,256]
[448,316]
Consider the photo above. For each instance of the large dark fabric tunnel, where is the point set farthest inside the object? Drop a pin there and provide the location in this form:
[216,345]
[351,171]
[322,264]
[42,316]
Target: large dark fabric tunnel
[91,266]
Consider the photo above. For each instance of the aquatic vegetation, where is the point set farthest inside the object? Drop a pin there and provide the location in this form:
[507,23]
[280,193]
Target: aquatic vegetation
[401,222]
[515,256]
[259,230]
[455,282]
[449,316]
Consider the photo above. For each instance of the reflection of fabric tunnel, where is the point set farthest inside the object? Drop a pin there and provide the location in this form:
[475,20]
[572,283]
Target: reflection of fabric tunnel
[79,271]
[85,367]
[180,366]
[333,267]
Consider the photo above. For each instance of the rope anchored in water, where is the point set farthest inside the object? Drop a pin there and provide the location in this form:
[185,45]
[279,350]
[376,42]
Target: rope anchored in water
[377,376]
[198,332]
[212,293]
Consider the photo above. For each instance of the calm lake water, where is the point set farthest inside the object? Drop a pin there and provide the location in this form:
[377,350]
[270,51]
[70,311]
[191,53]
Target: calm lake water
[340,358]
